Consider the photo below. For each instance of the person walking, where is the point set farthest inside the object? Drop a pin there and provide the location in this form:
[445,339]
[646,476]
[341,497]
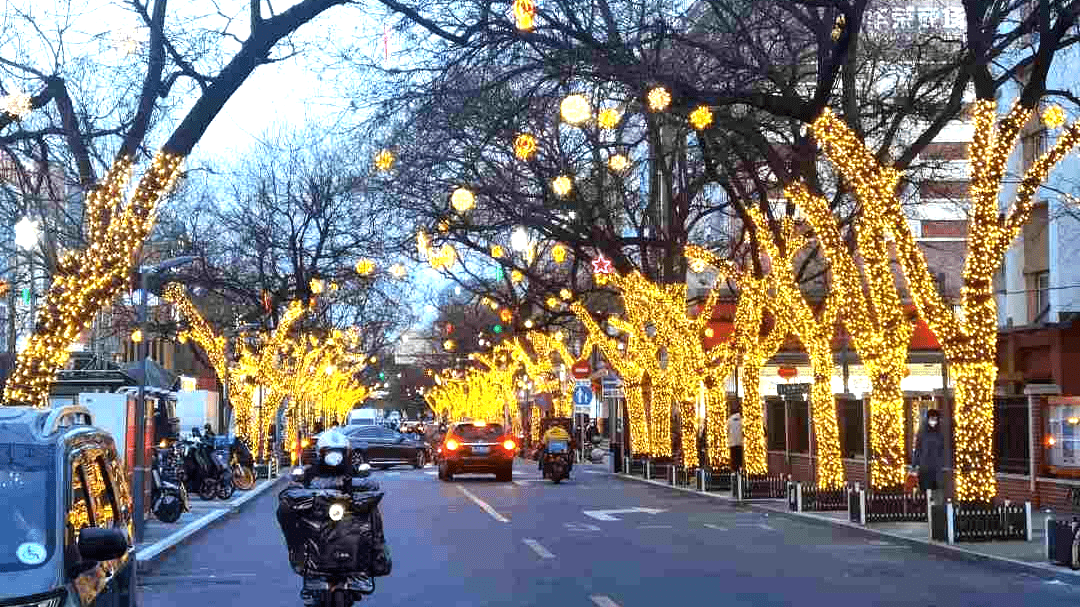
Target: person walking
[929,457]
[735,443]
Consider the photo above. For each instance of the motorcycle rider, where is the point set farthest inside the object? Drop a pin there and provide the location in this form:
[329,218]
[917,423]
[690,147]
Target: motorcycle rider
[558,434]
[332,470]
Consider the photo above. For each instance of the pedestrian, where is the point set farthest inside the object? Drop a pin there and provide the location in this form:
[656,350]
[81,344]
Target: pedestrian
[928,459]
[734,433]
[590,432]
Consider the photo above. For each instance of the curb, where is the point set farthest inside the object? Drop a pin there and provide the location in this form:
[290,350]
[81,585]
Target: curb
[1043,570]
[149,555]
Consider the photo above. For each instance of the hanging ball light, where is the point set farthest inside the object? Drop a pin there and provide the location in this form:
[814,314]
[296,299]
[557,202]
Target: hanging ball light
[566,294]
[575,109]
[562,185]
[709,332]
[517,276]
[136,336]
[449,345]
[524,15]
[701,118]
[552,302]
[398,271]
[618,163]
[1053,117]
[659,99]
[384,160]
[462,200]
[444,226]
[525,146]
[365,267]
[317,285]
[529,324]
[558,253]
[497,251]
[506,315]
[609,118]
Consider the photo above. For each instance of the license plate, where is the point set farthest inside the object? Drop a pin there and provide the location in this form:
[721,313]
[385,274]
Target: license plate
[480,450]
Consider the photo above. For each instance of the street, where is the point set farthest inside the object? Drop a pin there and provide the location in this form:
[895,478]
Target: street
[595,540]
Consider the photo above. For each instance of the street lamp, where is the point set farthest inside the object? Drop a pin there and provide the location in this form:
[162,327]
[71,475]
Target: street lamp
[139,485]
[27,234]
[519,240]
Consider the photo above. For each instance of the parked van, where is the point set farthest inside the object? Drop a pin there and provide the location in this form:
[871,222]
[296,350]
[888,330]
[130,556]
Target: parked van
[364,417]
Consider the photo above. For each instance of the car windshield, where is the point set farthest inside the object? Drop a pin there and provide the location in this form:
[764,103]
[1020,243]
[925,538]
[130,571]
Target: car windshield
[26,483]
[362,421]
[471,432]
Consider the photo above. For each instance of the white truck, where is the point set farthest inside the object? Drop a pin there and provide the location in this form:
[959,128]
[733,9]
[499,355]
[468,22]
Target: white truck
[364,417]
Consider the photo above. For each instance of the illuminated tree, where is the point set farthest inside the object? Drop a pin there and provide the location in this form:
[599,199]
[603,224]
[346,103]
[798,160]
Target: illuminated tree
[968,334]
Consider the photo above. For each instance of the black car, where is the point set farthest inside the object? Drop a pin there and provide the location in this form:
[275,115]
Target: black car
[379,446]
[65,511]
[478,447]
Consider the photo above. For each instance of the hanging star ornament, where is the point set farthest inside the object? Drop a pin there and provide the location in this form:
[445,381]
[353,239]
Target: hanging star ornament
[602,265]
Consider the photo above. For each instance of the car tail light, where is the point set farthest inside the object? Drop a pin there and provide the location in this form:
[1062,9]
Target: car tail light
[452,445]
[509,445]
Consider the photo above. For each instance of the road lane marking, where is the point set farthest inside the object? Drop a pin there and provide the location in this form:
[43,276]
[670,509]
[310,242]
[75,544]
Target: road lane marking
[581,527]
[538,549]
[654,526]
[603,601]
[432,473]
[484,505]
[717,527]
[606,515]
[766,527]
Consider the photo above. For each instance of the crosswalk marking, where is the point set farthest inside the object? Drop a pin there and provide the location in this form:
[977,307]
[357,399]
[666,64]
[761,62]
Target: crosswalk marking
[538,549]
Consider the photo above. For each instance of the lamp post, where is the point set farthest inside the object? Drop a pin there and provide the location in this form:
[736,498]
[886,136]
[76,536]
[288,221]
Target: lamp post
[139,484]
[27,234]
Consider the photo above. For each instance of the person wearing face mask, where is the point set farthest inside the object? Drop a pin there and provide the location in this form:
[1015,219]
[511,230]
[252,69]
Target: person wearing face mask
[929,457]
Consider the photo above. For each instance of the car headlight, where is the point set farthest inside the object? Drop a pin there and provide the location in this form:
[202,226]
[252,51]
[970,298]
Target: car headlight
[333,458]
[337,511]
[53,600]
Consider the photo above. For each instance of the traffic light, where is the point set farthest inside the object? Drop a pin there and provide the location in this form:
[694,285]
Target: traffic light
[497,329]
[382,376]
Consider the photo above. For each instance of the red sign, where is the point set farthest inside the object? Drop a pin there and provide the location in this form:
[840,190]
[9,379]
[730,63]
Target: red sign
[581,369]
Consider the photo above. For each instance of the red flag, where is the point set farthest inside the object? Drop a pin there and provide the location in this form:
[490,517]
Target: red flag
[386,42]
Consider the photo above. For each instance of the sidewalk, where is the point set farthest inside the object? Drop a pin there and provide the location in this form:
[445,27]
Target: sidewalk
[1030,555]
[159,537]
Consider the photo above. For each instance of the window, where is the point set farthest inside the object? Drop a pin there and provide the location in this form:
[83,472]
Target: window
[800,421]
[468,432]
[363,431]
[1042,295]
[79,514]
[1011,434]
[777,433]
[851,427]
[1062,441]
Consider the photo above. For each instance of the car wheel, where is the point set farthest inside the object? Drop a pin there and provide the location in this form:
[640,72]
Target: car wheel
[421,459]
[208,489]
[169,511]
[444,473]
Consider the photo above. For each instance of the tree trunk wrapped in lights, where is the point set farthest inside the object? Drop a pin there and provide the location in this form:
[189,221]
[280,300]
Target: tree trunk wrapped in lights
[816,334]
[874,317]
[968,336]
[87,280]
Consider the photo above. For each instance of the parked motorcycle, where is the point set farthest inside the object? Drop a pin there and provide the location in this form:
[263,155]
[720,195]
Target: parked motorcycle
[557,461]
[242,464]
[206,471]
[168,496]
[335,539]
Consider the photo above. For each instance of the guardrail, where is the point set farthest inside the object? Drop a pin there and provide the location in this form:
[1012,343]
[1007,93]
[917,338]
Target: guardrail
[808,498]
[974,522]
[760,486]
[866,507]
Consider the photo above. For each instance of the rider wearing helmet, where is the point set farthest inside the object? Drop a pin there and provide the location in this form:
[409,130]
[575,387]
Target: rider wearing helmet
[333,468]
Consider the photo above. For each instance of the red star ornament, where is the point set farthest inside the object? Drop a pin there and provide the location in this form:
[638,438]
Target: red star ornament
[602,265]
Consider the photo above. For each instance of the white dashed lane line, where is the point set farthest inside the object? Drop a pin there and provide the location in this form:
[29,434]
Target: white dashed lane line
[484,505]
[603,601]
[542,552]
[717,527]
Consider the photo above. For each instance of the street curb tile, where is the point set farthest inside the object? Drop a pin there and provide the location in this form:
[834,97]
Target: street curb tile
[149,555]
[1045,570]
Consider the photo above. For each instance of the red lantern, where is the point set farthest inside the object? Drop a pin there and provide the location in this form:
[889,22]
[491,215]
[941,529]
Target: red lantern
[787,372]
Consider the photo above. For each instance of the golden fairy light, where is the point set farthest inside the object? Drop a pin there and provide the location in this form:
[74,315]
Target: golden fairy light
[384,160]
[552,302]
[1053,117]
[524,146]
[575,109]
[701,117]
[365,267]
[609,118]
[566,294]
[618,162]
[17,104]
[517,276]
[317,285]
[462,200]
[659,99]
[697,266]
[497,251]
[558,253]
[398,271]
[524,15]
[562,185]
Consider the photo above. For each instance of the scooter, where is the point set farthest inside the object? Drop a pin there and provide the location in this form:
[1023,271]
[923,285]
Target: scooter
[206,471]
[168,497]
[335,539]
[557,461]
[242,465]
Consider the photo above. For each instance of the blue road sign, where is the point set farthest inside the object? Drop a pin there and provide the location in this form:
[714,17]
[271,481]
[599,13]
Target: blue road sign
[582,394]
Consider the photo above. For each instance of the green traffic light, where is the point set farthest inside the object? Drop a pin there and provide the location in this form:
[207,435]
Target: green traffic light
[382,375]
[497,328]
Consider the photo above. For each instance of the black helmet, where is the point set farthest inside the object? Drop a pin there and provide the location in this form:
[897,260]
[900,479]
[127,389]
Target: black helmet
[334,450]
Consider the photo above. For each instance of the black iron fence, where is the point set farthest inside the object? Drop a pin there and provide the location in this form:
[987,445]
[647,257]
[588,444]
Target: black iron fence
[865,507]
[760,486]
[637,466]
[721,480]
[1063,542]
[661,470]
[977,522]
[806,498]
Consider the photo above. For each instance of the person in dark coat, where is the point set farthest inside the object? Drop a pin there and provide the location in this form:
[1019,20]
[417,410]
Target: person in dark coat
[929,457]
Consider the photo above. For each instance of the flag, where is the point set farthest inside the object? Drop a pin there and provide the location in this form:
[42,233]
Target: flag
[386,42]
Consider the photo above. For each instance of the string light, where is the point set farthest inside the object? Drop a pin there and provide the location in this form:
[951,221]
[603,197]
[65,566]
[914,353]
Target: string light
[463,200]
[609,118]
[566,294]
[384,160]
[365,267]
[17,104]
[524,14]
[575,109]
[524,146]
[558,253]
[562,185]
[659,99]
[618,163]
[701,117]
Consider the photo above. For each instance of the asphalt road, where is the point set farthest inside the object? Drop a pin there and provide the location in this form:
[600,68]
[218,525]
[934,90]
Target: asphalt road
[477,543]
